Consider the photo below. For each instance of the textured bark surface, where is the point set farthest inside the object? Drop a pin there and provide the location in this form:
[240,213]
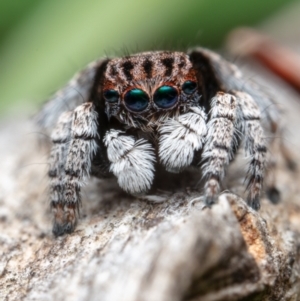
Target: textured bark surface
[129,249]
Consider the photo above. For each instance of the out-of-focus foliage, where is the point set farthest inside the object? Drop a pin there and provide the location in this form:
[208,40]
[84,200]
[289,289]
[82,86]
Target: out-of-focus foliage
[43,42]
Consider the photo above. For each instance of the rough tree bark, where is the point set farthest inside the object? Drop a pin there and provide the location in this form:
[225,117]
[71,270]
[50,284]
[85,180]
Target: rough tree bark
[129,249]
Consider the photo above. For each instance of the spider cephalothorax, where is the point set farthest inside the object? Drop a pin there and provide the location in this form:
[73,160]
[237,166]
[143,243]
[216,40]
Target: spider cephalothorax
[127,116]
[143,90]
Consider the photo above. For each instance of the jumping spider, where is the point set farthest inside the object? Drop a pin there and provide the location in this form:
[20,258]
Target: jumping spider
[126,116]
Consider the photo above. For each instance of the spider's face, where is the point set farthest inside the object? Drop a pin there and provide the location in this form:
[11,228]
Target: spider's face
[143,89]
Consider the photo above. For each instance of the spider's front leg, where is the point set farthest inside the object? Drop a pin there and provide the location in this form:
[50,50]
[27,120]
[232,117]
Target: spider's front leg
[221,140]
[74,166]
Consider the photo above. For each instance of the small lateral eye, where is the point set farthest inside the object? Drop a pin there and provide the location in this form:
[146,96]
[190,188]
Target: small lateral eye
[112,96]
[136,100]
[189,87]
[165,97]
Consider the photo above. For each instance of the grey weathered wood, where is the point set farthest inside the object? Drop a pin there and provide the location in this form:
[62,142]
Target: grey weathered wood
[129,249]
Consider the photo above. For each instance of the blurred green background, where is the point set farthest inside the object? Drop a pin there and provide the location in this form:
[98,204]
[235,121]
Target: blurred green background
[43,43]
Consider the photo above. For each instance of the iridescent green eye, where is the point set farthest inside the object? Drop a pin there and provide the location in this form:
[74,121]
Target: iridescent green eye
[189,87]
[112,96]
[136,100]
[165,97]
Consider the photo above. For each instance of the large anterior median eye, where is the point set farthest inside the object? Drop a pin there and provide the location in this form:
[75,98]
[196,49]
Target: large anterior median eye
[189,87]
[136,100]
[165,97]
[112,96]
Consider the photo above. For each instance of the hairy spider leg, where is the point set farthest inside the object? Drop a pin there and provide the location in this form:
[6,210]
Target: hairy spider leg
[254,146]
[82,148]
[60,137]
[220,143]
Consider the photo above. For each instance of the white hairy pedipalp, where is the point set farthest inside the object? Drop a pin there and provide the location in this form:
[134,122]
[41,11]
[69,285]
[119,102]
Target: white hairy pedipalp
[180,138]
[132,161]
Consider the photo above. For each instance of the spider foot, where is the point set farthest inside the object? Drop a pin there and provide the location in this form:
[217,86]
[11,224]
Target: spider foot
[61,229]
[64,218]
[254,202]
[209,201]
[211,191]
[254,190]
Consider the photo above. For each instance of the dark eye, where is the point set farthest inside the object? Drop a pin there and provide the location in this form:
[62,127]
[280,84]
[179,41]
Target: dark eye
[111,96]
[136,100]
[189,87]
[165,97]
